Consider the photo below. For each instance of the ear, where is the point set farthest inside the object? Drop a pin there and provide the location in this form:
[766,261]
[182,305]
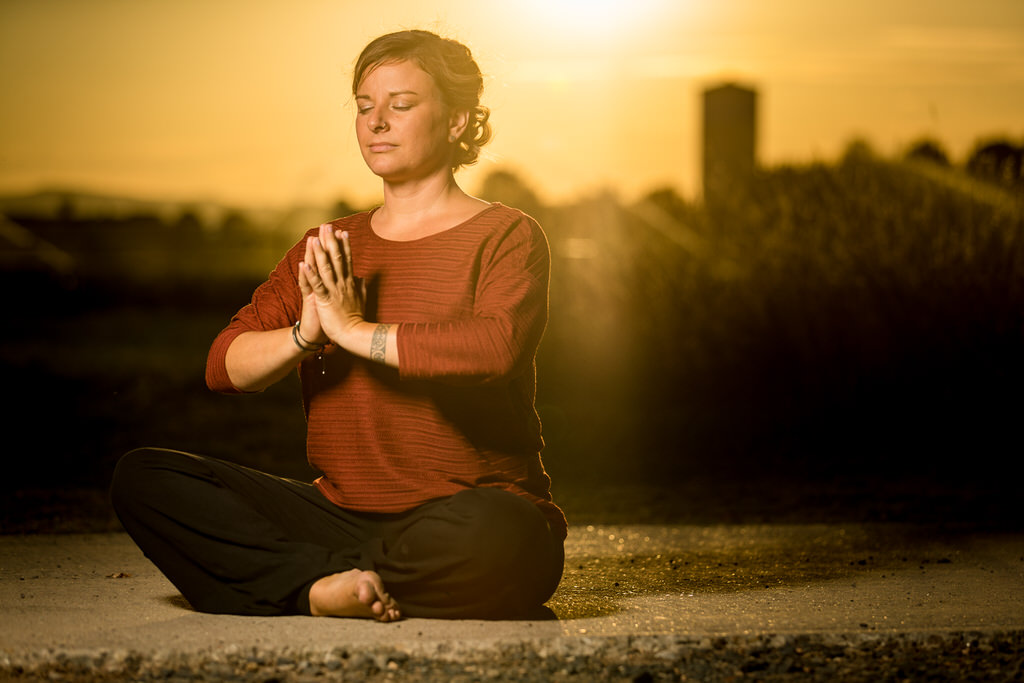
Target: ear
[457,124]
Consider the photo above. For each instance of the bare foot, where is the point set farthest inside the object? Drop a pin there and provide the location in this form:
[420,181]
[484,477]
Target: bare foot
[355,593]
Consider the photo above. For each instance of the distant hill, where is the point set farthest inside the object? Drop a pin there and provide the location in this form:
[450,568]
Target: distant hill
[55,203]
[74,205]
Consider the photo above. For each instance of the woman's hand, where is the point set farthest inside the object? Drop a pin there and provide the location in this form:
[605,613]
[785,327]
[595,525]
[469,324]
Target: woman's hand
[333,299]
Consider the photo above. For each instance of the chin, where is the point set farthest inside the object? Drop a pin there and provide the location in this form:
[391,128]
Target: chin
[388,176]
[381,171]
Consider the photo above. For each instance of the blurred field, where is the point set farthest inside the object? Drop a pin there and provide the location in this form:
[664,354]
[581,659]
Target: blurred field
[836,341]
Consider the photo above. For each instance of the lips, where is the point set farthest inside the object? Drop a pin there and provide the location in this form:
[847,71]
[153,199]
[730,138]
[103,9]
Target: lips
[380,146]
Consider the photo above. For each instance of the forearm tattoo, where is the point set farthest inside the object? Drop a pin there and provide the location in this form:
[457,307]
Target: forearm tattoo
[379,343]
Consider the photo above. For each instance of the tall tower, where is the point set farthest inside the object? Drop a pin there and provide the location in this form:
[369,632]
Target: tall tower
[730,139]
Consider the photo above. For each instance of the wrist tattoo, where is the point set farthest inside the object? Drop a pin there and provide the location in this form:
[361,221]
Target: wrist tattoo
[379,343]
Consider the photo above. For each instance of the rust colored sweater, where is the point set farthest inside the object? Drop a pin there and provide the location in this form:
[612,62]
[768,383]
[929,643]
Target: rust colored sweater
[471,306]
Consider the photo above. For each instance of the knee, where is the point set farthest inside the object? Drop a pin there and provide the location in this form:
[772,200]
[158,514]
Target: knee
[129,475]
[130,469]
[482,553]
[498,518]
[135,478]
[505,534]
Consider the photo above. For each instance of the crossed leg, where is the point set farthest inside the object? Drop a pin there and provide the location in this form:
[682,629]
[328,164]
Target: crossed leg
[238,541]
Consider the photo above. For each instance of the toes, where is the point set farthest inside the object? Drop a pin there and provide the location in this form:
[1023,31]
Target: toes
[370,591]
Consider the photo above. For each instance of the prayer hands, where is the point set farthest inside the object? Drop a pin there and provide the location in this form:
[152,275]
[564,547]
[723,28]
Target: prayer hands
[333,299]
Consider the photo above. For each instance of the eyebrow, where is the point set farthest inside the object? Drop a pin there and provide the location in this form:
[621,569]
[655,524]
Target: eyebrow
[390,94]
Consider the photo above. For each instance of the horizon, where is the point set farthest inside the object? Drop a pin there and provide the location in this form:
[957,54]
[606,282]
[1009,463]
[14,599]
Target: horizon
[113,204]
[246,104]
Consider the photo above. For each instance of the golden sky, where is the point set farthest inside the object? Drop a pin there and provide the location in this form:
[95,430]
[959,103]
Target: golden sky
[247,101]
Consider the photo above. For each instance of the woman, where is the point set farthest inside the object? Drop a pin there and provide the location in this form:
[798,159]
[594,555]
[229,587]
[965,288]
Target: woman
[414,328]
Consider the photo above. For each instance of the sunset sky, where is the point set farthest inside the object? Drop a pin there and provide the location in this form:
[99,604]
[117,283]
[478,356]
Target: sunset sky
[247,101]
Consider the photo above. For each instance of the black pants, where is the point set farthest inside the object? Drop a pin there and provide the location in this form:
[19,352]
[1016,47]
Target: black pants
[237,541]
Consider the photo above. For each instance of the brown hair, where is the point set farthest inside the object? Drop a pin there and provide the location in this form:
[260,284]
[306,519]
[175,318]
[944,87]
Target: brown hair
[456,74]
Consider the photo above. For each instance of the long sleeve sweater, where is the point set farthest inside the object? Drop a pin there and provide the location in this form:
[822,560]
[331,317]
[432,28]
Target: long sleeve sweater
[471,306]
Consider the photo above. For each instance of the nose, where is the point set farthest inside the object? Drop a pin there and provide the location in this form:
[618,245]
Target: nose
[378,123]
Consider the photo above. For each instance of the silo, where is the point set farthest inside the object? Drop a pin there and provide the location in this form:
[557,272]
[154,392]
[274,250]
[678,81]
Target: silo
[730,139]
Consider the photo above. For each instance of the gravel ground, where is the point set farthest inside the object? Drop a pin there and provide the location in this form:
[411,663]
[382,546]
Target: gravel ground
[639,603]
[877,657]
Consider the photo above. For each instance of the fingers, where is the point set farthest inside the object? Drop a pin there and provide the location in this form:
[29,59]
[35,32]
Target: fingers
[317,266]
[327,270]
[331,254]
[309,257]
[310,282]
[323,265]
[308,270]
[347,253]
[337,259]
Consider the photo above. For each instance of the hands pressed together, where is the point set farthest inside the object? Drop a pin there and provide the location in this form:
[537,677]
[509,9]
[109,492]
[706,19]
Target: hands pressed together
[333,306]
[333,299]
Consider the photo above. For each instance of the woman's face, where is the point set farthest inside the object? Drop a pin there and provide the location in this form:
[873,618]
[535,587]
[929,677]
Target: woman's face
[402,125]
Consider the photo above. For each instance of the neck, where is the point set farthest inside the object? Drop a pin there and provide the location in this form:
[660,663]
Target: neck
[422,196]
[426,207]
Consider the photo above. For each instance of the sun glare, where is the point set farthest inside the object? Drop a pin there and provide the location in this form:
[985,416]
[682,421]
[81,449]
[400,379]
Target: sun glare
[571,19]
